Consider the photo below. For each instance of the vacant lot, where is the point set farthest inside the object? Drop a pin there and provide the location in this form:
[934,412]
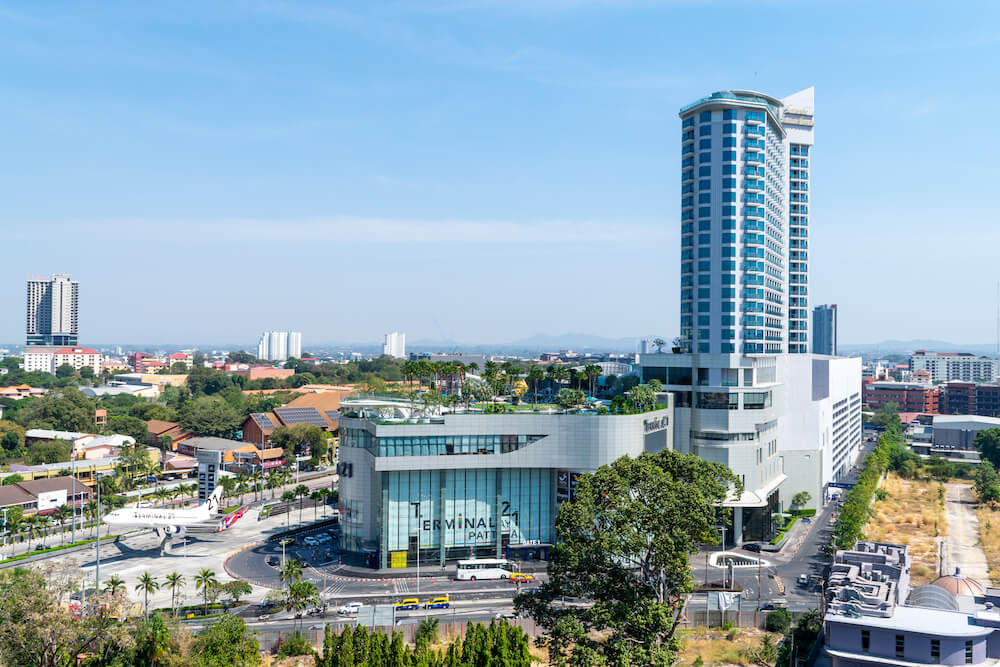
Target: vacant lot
[989,537]
[715,648]
[913,514]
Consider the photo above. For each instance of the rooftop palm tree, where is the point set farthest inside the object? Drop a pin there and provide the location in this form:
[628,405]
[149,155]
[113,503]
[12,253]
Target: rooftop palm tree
[175,580]
[205,581]
[114,585]
[147,584]
[535,375]
[592,371]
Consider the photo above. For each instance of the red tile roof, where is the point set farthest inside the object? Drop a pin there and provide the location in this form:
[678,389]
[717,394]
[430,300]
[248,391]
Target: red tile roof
[76,350]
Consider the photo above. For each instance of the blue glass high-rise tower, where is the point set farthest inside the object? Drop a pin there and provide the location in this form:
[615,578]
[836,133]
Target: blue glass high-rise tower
[744,223]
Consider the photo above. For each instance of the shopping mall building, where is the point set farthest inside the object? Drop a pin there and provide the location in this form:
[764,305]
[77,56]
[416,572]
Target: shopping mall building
[468,484]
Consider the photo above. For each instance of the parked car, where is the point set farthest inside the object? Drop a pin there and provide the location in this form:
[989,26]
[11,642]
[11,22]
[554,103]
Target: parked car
[264,617]
[773,604]
[521,578]
[440,602]
[803,579]
[349,609]
[310,541]
[408,603]
[752,546]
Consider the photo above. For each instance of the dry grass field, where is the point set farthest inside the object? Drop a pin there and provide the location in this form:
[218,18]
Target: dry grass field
[989,537]
[715,647]
[913,513]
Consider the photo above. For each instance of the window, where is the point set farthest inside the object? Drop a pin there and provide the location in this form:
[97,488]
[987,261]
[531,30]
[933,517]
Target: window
[702,377]
[729,114]
[704,238]
[705,171]
[968,651]
[704,144]
[935,651]
[900,646]
[705,116]
[756,400]
[729,142]
[717,400]
[705,184]
[704,130]
[704,157]
[729,182]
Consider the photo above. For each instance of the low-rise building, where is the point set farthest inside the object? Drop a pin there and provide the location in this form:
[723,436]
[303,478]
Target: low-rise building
[43,496]
[953,435]
[874,619]
[48,359]
[262,372]
[908,396]
[228,448]
[462,484]
[21,391]
[947,366]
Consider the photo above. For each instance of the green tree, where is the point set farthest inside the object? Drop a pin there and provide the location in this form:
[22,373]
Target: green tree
[427,631]
[570,399]
[65,409]
[147,584]
[300,438]
[60,514]
[778,620]
[987,483]
[11,436]
[301,491]
[288,497]
[291,572]
[202,381]
[12,479]
[87,373]
[131,426]
[236,589]
[227,642]
[114,585]
[624,542]
[51,451]
[801,499]
[988,443]
[317,497]
[592,371]
[205,582]
[65,371]
[241,357]
[887,416]
[209,417]
[641,398]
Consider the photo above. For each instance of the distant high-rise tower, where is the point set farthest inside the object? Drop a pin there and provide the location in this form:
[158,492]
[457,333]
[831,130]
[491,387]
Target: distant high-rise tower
[395,345]
[824,329]
[744,216]
[279,345]
[52,311]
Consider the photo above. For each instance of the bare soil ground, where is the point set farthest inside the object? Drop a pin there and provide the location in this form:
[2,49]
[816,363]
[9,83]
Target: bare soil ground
[913,514]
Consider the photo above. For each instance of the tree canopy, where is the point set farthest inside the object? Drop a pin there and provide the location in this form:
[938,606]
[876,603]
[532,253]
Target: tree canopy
[66,409]
[209,417]
[624,540]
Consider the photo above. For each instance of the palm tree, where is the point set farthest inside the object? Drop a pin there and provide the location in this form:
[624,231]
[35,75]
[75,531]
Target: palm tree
[175,580]
[288,497]
[228,485]
[161,495]
[592,371]
[205,581]
[255,478]
[301,491]
[535,375]
[273,481]
[62,513]
[292,571]
[317,497]
[114,585]
[147,584]
[300,595]
[90,514]
[241,486]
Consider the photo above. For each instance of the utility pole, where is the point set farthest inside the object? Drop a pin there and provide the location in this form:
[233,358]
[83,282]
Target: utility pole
[97,577]
[756,613]
[72,504]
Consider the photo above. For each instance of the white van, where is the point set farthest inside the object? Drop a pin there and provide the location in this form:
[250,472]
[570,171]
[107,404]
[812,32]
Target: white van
[350,609]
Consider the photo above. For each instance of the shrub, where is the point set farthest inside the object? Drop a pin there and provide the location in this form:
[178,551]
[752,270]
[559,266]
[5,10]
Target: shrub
[881,494]
[778,620]
[295,644]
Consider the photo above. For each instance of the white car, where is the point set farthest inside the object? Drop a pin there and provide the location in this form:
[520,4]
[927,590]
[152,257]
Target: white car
[350,609]
[323,539]
[310,541]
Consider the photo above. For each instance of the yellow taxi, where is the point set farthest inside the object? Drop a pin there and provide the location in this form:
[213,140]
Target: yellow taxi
[521,578]
[408,603]
[440,602]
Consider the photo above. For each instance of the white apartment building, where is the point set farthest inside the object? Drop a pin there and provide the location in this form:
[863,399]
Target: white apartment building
[395,345]
[948,366]
[52,311]
[48,359]
[279,345]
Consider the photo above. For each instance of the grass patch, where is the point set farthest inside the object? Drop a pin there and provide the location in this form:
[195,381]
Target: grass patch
[78,543]
[913,514]
[716,646]
[231,508]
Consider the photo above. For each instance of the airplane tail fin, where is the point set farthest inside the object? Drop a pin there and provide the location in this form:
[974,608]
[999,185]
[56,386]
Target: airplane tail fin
[212,504]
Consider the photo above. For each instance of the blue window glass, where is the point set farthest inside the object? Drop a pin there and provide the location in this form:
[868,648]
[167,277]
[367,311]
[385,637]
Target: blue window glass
[687,162]
[803,150]
[688,175]
[704,184]
[702,348]
[687,201]
[728,307]
[705,278]
[728,278]
[704,239]
[728,210]
[687,267]
[729,114]
[704,225]
[705,170]
[729,156]
[729,128]
[729,223]
[729,182]
[703,320]
[704,306]
[704,116]
[728,251]
[704,293]
[703,333]
[729,238]
[729,142]
[704,211]
[727,348]
[687,294]
[704,143]
[728,196]
[704,252]
[686,321]
[728,169]
[704,266]
[688,122]
[728,292]
[704,130]
[706,197]
[704,157]
[728,320]
[728,265]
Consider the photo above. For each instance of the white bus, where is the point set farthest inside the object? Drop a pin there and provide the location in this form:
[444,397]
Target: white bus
[483,568]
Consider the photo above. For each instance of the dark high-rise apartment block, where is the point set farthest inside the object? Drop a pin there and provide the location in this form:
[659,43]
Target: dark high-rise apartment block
[824,329]
[52,311]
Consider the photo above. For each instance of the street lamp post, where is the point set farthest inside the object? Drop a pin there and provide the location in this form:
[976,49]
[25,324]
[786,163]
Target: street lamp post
[97,578]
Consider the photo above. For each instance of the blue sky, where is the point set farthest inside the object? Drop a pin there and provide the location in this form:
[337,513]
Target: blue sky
[474,169]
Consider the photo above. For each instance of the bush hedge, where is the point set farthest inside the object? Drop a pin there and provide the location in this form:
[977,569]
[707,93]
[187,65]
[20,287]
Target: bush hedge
[856,508]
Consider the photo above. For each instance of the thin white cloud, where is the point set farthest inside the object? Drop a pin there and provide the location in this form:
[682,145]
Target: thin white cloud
[359,230]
